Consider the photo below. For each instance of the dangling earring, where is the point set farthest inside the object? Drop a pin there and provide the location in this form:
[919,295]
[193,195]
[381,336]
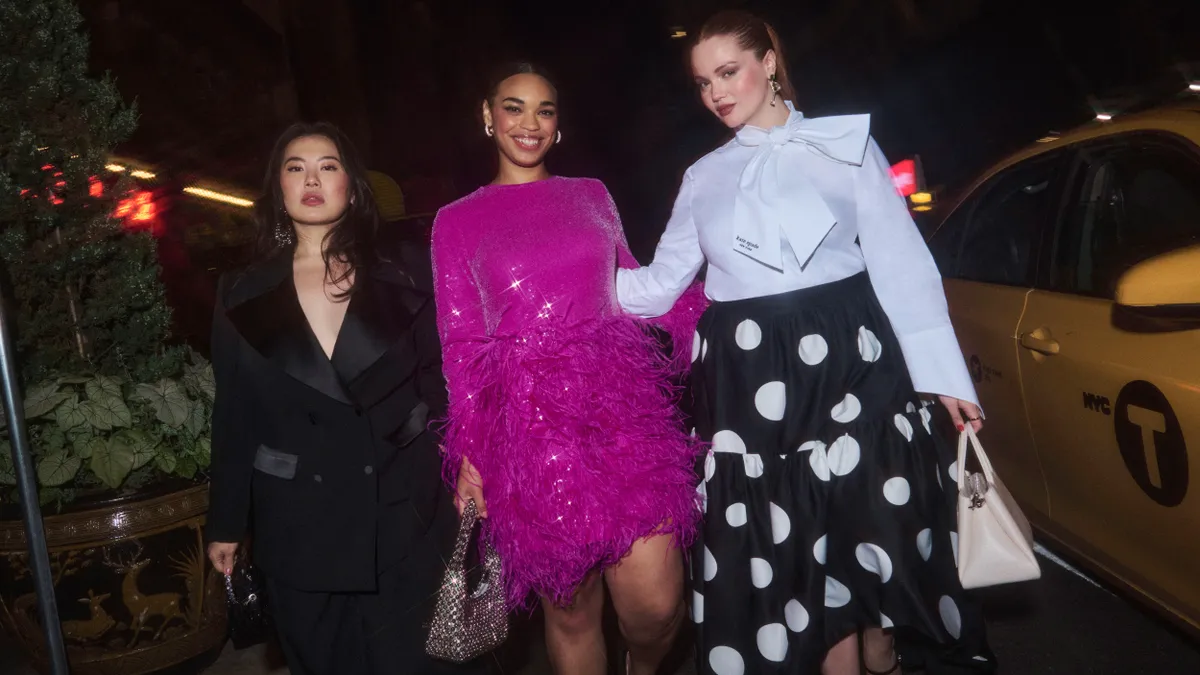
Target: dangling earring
[558,138]
[775,87]
[487,129]
[284,235]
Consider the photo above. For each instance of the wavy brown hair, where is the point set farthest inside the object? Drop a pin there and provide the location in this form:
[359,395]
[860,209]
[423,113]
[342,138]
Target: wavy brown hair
[352,239]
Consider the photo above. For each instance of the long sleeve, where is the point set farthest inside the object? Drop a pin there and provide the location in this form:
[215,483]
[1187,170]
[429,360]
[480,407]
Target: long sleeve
[652,291]
[907,283]
[680,319]
[233,434]
[462,328]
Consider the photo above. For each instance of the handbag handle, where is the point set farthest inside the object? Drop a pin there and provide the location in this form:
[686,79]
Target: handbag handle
[470,516]
[968,437]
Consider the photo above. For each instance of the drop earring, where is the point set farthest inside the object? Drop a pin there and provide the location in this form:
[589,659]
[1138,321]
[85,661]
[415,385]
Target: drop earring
[284,235]
[775,87]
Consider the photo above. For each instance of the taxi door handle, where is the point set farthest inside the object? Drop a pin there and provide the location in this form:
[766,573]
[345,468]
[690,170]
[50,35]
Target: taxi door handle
[1040,341]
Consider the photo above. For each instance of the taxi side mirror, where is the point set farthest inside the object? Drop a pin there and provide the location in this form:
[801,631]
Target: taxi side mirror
[1162,293]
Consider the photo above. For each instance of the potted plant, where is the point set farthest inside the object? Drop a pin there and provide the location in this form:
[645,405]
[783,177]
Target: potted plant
[118,414]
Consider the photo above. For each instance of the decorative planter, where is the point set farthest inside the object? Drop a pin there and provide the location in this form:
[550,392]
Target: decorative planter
[135,591]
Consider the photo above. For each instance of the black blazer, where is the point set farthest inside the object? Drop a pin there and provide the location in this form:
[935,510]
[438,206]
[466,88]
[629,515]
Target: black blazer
[332,454]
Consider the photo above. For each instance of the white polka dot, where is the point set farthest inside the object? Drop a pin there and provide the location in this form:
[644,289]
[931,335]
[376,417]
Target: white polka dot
[910,408]
[710,466]
[951,619]
[925,417]
[813,349]
[925,543]
[710,565]
[796,616]
[819,549]
[868,345]
[818,460]
[754,465]
[847,410]
[704,350]
[770,400]
[885,621]
[747,334]
[726,661]
[702,494]
[897,491]
[728,441]
[735,515]
[953,471]
[954,546]
[697,607]
[874,559]
[695,346]
[836,593]
[904,426]
[843,455]
[761,573]
[772,642]
[781,525]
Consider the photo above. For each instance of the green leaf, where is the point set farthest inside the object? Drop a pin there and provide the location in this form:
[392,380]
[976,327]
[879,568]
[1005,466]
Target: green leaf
[203,453]
[58,468]
[139,443]
[43,398]
[54,439]
[171,405]
[187,467]
[200,382]
[103,385]
[73,379]
[197,420]
[86,446]
[112,462]
[69,414]
[105,411]
[166,461]
[8,473]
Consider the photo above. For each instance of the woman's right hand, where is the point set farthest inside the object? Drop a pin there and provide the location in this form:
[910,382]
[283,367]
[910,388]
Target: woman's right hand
[221,555]
[469,486]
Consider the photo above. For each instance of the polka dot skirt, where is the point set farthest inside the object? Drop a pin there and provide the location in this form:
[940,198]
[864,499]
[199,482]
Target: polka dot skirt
[823,488]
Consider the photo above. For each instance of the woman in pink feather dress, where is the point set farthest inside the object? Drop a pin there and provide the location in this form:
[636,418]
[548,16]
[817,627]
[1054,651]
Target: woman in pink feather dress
[562,424]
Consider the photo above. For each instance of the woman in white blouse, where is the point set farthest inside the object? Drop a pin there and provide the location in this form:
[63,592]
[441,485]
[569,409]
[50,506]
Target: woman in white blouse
[826,520]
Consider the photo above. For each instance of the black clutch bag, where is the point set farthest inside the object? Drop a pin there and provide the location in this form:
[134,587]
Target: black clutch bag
[244,592]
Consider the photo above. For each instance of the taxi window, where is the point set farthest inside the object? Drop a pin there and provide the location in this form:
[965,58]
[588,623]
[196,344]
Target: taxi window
[1135,201]
[999,244]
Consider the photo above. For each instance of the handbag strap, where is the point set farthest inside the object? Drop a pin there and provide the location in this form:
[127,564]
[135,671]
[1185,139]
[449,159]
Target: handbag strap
[470,516]
[968,437]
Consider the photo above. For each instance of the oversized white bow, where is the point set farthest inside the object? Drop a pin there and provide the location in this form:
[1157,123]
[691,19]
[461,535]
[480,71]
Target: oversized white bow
[775,200]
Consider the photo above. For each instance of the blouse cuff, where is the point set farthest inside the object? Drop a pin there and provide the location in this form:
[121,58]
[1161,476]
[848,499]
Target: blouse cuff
[935,364]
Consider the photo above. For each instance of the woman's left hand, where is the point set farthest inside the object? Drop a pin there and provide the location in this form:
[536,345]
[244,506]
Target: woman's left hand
[963,412]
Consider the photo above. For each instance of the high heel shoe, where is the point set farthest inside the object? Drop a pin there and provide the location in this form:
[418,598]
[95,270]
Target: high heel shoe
[862,661]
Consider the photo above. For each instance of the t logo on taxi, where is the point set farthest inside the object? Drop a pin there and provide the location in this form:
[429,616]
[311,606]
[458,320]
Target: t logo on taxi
[1151,442]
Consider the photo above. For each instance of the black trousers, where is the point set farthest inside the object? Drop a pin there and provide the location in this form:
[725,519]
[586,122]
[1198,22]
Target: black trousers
[367,633]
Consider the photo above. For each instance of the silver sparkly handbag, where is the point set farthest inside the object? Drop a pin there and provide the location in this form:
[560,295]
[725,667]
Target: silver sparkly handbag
[467,625]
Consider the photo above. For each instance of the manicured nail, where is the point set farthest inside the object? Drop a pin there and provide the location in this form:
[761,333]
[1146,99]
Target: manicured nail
[960,427]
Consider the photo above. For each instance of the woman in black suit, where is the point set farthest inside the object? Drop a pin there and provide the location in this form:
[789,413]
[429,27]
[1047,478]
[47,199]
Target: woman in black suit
[328,367]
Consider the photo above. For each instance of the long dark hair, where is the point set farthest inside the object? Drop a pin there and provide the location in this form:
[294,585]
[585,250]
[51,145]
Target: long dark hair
[352,240]
[752,34]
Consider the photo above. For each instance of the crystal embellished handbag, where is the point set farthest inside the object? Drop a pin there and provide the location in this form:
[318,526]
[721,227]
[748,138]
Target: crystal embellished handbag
[995,542]
[246,605]
[466,624]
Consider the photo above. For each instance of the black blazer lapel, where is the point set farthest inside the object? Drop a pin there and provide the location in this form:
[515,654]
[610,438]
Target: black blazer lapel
[266,311]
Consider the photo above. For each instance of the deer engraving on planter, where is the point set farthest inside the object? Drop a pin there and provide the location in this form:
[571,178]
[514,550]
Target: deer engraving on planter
[95,627]
[142,607]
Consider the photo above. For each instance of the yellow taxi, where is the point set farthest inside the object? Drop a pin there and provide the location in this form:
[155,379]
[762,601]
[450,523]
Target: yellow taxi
[1072,271]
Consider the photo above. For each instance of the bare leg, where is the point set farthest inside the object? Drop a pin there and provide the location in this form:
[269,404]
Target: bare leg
[842,659]
[879,653]
[574,635]
[647,592]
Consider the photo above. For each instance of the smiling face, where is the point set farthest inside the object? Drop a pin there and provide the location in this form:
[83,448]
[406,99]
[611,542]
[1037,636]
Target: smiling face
[315,185]
[524,117]
[734,83]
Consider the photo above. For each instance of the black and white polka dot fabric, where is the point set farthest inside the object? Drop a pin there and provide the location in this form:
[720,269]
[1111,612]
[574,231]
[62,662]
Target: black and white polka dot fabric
[824,507]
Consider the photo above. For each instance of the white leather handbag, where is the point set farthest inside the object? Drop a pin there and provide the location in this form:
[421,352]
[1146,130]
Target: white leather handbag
[995,542]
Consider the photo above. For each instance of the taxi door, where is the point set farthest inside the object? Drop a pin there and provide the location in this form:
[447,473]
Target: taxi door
[987,251]
[1113,406]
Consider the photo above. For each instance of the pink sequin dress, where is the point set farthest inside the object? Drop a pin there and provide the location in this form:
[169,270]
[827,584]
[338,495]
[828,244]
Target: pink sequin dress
[560,401]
